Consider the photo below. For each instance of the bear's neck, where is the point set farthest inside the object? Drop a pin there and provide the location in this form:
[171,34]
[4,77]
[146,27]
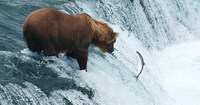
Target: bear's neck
[99,32]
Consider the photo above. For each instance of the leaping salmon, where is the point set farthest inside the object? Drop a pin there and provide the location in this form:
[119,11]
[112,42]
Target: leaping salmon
[140,64]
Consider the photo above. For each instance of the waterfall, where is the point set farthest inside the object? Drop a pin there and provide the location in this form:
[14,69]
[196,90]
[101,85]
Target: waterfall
[158,29]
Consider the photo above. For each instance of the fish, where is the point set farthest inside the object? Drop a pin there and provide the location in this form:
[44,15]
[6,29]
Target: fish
[140,64]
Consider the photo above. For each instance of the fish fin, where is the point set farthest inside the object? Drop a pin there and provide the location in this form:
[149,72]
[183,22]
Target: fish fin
[136,77]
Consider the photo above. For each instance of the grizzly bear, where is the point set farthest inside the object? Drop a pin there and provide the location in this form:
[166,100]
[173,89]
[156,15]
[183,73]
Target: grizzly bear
[54,32]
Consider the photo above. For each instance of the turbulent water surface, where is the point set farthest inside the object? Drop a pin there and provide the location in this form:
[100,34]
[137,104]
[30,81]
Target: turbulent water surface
[165,32]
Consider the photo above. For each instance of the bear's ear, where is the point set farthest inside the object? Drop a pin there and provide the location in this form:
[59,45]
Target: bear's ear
[116,35]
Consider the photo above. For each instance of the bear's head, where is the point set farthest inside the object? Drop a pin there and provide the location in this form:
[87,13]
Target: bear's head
[105,37]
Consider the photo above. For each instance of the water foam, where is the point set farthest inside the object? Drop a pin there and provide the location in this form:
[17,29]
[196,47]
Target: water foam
[179,68]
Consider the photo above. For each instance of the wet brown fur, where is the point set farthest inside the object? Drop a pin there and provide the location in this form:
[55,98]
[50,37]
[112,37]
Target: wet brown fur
[54,32]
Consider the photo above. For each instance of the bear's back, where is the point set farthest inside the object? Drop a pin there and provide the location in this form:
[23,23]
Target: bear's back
[57,31]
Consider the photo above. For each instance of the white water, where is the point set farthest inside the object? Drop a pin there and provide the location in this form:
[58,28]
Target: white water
[179,68]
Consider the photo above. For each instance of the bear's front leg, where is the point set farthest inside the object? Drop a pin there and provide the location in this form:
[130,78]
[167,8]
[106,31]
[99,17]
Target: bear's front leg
[82,59]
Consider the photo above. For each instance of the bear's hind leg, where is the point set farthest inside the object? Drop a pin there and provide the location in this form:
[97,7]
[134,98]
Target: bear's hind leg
[50,51]
[35,47]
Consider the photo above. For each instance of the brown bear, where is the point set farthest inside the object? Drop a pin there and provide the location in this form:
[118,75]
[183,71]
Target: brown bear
[53,32]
